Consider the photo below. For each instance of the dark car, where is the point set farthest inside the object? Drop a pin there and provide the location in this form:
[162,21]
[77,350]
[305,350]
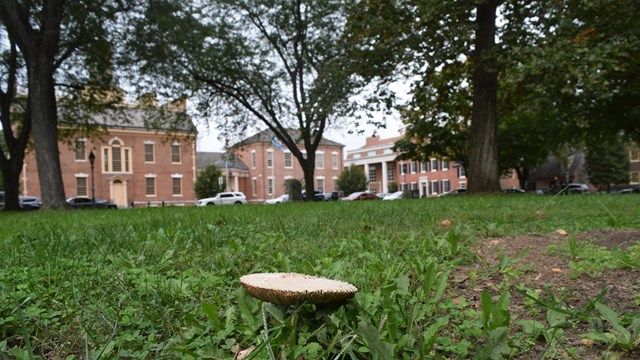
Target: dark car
[331,196]
[573,188]
[360,195]
[84,202]
[317,195]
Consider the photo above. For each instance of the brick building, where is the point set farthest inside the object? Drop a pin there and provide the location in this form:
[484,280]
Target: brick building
[423,179]
[259,169]
[143,156]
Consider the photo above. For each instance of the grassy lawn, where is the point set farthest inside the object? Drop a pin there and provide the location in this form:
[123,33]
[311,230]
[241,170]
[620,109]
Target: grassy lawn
[163,282]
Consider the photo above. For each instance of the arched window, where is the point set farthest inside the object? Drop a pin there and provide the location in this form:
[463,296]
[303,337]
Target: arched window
[116,157]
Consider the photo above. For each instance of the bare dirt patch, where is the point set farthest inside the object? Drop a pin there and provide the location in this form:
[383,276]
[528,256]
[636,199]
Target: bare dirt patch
[505,263]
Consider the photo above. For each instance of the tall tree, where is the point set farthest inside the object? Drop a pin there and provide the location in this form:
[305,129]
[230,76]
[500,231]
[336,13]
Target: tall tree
[607,161]
[275,63]
[15,118]
[48,34]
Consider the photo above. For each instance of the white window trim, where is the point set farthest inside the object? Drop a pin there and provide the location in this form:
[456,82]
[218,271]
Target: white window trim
[175,143]
[287,152]
[320,156]
[176,176]
[273,162]
[337,164]
[254,159]
[153,148]
[155,185]
[75,150]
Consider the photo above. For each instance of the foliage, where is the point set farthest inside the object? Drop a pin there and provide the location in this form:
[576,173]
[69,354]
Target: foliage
[352,179]
[293,187]
[393,186]
[208,183]
[255,63]
[607,162]
[163,282]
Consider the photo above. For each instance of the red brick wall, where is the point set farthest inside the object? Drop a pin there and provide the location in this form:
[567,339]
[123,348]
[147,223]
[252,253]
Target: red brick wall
[261,172]
[135,180]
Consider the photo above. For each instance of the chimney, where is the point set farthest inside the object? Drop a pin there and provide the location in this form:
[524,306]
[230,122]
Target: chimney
[178,105]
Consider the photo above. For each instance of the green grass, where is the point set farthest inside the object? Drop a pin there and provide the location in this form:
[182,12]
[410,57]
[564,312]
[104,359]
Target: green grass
[163,282]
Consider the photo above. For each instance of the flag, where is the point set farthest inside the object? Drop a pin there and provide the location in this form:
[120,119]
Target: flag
[275,143]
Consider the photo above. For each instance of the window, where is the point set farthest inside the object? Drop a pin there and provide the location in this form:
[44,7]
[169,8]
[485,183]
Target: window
[434,187]
[634,153]
[356,156]
[175,153]
[116,158]
[81,149]
[423,167]
[372,174]
[176,184]
[461,172]
[270,186]
[434,165]
[269,159]
[371,153]
[334,160]
[403,168]
[390,169]
[446,186]
[288,160]
[319,160]
[445,165]
[403,187]
[634,177]
[414,187]
[335,184]
[414,167]
[373,190]
[253,159]
[320,185]
[81,186]
[463,185]
[149,155]
[150,186]
[254,186]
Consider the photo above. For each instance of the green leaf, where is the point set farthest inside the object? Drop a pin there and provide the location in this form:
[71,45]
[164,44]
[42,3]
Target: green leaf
[379,348]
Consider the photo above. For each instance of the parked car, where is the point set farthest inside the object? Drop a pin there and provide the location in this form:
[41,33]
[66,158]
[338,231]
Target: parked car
[459,191]
[573,188]
[85,202]
[332,196]
[279,200]
[513,191]
[224,198]
[394,196]
[317,195]
[360,195]
[30,202]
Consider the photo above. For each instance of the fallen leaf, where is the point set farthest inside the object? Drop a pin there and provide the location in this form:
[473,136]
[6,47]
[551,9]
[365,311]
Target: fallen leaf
[556,270]
[495,242]
[561,232]
[244,353]
[489,284]
[539,213]
[587,342]
[446,223]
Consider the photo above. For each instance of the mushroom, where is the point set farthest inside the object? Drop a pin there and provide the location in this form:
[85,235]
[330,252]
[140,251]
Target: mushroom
[295,289]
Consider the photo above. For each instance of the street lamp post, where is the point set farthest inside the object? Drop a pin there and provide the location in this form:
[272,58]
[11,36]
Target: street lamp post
[92,159]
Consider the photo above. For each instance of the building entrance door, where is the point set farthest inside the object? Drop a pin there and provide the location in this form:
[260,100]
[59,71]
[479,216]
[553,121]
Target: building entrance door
[119,193]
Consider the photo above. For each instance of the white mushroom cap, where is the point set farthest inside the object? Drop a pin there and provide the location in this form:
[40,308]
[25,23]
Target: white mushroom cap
[293,289]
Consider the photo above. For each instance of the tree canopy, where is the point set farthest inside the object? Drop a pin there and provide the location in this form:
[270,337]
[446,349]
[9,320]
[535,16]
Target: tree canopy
[352,179]
[208,182]
[278,64]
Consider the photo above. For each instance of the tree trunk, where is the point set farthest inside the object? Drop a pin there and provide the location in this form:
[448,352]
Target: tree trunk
[42,102]
[308,168]
[11,172]
[484,175]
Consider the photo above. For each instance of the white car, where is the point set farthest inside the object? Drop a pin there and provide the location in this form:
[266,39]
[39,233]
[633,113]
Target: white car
[224,198]
[279,200]
[393,196]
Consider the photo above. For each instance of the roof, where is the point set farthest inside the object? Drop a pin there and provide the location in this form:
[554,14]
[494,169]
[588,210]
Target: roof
[204,159]
[136,118]
[267,135]
[553,167]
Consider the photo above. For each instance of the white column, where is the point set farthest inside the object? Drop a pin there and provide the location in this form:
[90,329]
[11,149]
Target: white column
[235,183]
[366,171]
[385,187]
